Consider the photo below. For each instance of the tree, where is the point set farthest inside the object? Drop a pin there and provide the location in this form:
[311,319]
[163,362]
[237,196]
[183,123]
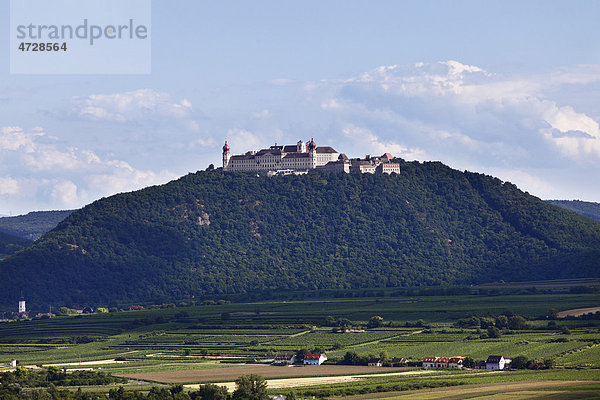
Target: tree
[384,356]
[552,313]
[351,358]
[517,322]
[565,330]
[250,387]
[468,362]
[519,362]
[501,321]
[493,332]
[210,392]
[375,322]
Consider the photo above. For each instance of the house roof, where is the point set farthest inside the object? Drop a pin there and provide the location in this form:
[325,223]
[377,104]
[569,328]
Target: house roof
[275,152]
[430,359]
[343,156]
[290,148]
[325,149]
[494,359]
[374,360]
[284,356]
[314,356]
[242,157]
[296,155]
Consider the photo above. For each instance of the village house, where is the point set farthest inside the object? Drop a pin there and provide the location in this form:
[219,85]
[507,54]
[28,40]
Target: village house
[455,362]
[375,362]
[442,362]
[497,362]
[429,362]
[399,360]
[314,359]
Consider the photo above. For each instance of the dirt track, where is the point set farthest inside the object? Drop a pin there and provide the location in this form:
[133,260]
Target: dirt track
[577,312]
[267,371]
[513,390]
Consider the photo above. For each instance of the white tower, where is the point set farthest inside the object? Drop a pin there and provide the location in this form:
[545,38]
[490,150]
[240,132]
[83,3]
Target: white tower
[22,305]
[301,147]
[226,156]
[312,153]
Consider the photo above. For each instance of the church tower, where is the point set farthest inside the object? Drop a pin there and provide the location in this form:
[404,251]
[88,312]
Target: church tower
[312,153]
[226,156]
[22,305]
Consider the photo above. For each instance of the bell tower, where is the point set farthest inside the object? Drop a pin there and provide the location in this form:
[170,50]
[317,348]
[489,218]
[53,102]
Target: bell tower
[226,156]
[312,153]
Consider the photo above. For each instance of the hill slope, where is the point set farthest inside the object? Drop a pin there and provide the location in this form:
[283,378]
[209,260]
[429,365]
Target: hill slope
[32,225]
[585,208]
[209,233]
[10,244]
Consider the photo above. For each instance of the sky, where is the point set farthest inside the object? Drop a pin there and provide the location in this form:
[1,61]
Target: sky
[505,88]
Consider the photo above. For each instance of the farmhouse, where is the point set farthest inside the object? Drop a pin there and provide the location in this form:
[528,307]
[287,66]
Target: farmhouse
[375,362]
[429,362]
[442,362]
[314,359]
[455,362]
[497,362]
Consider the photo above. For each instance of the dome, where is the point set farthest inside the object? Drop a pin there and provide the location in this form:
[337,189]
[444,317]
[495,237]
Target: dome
[225,148]
[311,145]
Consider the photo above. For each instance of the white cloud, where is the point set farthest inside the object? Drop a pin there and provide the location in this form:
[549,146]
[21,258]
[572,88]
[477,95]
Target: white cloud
[9,186]
[243,140]
[39,173]
[141,105]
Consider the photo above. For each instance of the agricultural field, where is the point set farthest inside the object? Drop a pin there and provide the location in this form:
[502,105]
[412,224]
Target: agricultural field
[214,343]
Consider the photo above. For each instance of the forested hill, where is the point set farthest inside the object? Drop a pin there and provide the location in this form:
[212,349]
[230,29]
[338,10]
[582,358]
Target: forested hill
[585,208]
[32,225]
[212,232]
[10,244]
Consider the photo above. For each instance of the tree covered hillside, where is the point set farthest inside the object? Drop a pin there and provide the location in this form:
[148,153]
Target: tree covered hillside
[10,244]
[585,208]
[32,225]
[211,232]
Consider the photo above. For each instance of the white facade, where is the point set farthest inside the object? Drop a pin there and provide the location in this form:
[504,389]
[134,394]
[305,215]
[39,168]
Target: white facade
[495,362]
[298,157]
[302,157]
[21,306]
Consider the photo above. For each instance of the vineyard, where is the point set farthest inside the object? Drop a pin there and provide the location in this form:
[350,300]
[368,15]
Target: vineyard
[225,335]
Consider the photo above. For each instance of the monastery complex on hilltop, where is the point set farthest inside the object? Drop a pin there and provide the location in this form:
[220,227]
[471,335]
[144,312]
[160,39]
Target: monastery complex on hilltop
[299,158]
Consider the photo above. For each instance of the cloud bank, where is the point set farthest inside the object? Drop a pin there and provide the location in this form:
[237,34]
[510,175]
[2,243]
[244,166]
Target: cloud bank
[38,172]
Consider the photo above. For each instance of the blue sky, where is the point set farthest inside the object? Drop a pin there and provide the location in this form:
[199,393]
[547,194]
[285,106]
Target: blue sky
[508,88]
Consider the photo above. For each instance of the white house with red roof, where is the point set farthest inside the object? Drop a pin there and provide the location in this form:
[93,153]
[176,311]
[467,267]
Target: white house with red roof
[315,359]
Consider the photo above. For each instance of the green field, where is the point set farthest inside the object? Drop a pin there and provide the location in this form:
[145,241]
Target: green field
[226,335]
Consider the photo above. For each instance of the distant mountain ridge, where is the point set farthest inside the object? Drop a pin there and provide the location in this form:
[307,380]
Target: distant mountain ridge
[211,233]
[34,224]
[586,208]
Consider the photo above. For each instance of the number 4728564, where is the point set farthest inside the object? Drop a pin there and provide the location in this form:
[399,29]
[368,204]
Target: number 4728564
[43,46]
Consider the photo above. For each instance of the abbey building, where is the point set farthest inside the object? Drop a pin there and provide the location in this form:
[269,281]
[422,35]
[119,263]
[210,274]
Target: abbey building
[301,157]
